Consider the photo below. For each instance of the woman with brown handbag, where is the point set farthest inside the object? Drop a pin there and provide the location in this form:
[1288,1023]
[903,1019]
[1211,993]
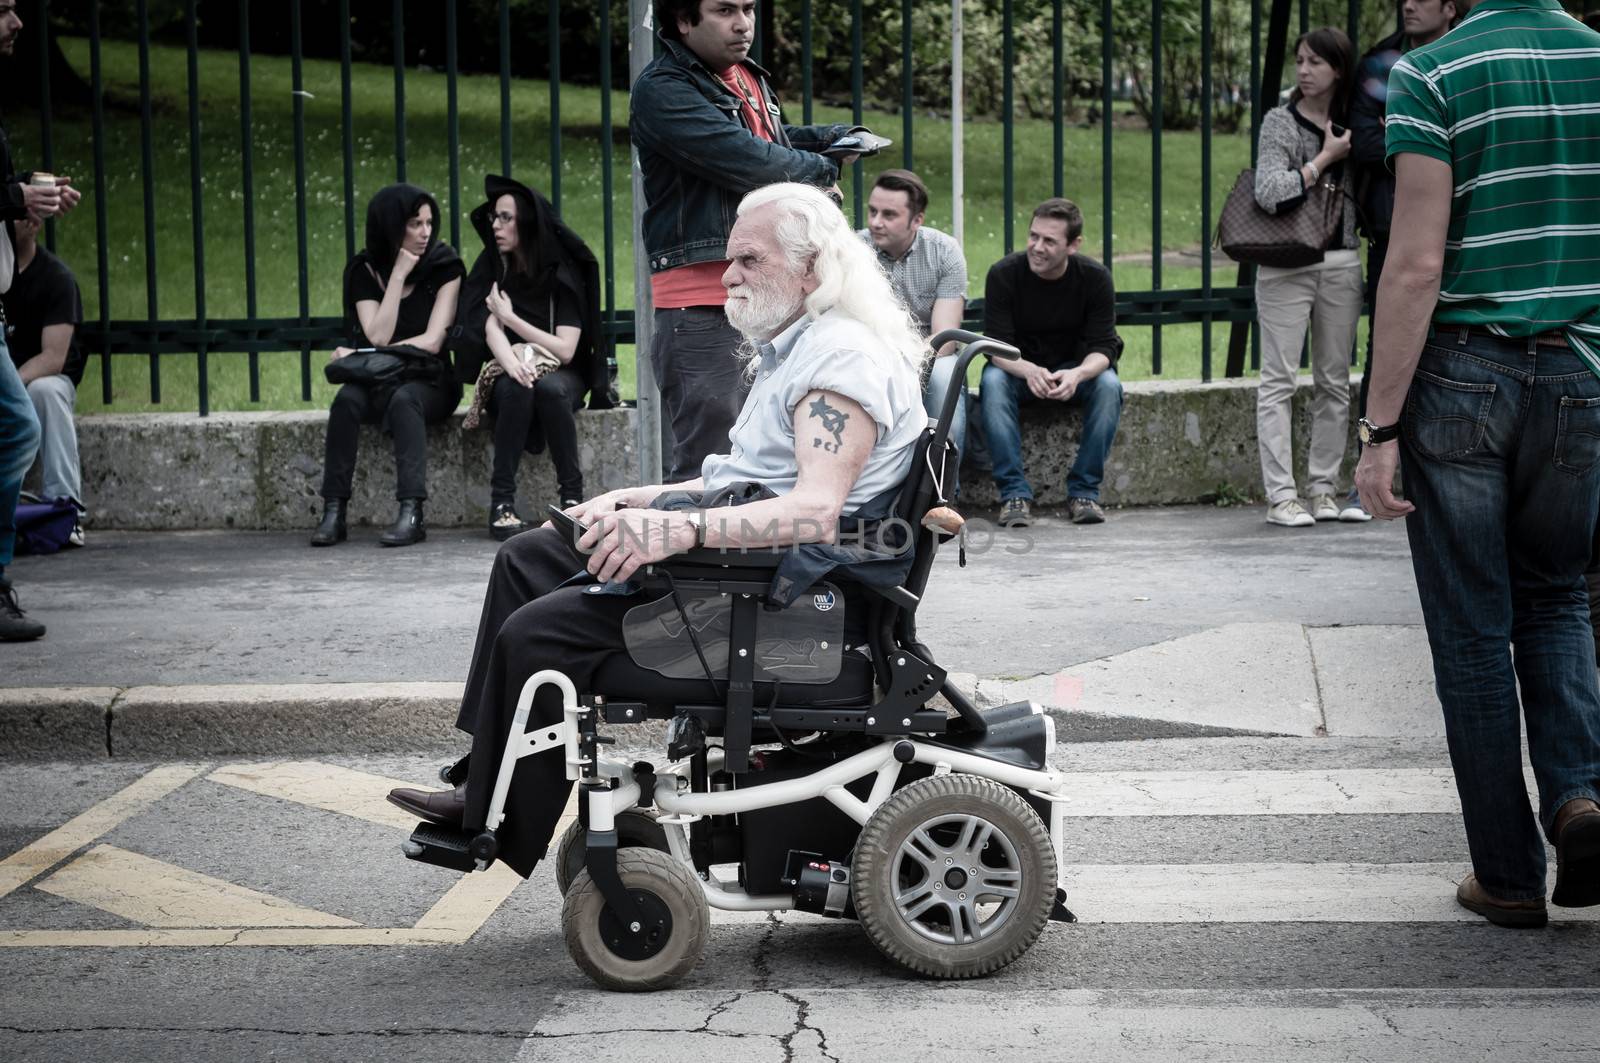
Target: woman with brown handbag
[1303,144]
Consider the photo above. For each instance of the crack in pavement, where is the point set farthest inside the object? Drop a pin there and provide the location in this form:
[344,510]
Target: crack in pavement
[705,1027]
[802,1022]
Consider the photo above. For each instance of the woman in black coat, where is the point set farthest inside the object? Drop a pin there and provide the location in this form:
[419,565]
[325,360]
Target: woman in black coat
[526,337]
[400,291]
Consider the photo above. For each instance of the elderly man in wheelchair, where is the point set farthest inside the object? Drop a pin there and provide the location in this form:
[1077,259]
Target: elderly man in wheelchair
[768,612]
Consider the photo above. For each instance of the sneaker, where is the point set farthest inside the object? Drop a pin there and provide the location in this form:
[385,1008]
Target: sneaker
[14,623]
[76,538]
[1289,514]
[1353,512]
[1016,513]
[1323,507]
[1085,511]
[1519,915]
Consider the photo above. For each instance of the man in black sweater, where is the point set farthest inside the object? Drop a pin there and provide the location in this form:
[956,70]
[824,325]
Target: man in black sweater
[1059,308]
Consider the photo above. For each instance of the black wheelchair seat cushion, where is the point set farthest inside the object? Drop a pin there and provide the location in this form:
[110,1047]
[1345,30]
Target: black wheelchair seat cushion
[620,679]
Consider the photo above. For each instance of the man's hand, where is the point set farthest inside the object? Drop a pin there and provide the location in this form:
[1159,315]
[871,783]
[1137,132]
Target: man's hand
[1039,379]
[69,195]
[1064,384]
[1375,481]
[625,540]
[42,201]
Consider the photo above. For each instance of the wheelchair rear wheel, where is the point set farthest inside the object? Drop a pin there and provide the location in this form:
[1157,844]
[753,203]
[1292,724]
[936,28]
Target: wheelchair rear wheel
[672,908]
[636,827]
[954,876]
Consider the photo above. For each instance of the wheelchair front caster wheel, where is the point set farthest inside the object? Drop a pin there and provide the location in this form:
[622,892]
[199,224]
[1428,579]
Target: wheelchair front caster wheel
[635,827]
[671,914]
[954,876]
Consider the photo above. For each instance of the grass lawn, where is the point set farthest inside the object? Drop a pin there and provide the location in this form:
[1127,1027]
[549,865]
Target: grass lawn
[273,196]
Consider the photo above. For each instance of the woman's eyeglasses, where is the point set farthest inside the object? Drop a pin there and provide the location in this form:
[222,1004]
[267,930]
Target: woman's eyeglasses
[503,218]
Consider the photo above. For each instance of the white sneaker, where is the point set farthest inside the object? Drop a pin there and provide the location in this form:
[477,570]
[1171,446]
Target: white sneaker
[76,538]
[1353,512]
[1290,514]
[1323,507]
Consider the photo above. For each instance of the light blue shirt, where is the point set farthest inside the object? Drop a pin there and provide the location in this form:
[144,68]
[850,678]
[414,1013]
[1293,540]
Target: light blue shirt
[833,353]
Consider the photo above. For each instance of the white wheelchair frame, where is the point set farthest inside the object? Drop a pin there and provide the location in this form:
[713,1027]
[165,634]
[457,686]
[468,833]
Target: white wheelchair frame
[672,794]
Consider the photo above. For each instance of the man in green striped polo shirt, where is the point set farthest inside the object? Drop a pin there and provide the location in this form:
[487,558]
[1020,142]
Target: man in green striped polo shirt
[1486,389]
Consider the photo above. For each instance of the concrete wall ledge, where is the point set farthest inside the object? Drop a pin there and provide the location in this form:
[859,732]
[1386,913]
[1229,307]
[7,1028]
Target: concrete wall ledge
[1179,442]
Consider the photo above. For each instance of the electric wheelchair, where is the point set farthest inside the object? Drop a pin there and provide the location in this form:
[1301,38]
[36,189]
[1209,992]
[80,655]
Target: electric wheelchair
[941,834]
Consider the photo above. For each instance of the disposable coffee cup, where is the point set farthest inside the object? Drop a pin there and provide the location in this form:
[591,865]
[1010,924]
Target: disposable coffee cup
[43,180]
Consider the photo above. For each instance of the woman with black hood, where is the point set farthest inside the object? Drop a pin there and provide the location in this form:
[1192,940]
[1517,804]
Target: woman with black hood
[529,316]
[399,291]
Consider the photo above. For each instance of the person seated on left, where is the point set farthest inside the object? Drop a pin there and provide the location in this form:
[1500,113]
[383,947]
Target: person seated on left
[400,290]
[829,426]
[43,310]
[529,316]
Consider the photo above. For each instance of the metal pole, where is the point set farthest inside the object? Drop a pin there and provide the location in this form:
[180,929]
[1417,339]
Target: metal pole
[1059,102]
[553,31]
[302,263]
[102,243]
[805,62]
[1008,160]
[1105,133]
[347,130]
[47,154]
[400,92]
[197,208]
[856,90]
[453,121]
[957,154]
[607,342]
[147,167]
[505,87]
[1205,185]
[641,49]
[247,166]
[907,87]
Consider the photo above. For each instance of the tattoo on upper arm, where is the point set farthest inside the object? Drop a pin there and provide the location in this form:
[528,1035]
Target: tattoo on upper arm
[833,422]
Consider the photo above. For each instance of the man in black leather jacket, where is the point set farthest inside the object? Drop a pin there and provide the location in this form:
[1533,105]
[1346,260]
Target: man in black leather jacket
[708,130]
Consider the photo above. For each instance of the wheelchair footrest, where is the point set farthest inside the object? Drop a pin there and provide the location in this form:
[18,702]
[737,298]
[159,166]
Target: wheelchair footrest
[459,850]
[1060,913]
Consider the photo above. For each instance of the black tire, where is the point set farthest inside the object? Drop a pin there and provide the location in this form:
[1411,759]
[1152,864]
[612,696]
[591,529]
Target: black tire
[902,902]
[636,828]
[660,884]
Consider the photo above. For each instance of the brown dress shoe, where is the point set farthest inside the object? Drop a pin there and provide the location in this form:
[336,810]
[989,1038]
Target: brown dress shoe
[1577,854]
[1521,915]
[444,807]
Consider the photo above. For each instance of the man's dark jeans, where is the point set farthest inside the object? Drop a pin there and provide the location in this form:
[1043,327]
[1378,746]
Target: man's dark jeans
[1001,395]
[1500,452]
[702,384]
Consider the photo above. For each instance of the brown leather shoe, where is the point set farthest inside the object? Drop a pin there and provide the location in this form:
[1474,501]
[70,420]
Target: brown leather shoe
[1520,915]
[444,807]
[1577,854]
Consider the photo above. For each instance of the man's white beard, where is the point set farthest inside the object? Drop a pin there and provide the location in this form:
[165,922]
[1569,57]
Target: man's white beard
[761,311]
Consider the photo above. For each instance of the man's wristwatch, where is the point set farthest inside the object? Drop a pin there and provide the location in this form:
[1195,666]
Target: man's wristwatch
[1370,433]
[697,518]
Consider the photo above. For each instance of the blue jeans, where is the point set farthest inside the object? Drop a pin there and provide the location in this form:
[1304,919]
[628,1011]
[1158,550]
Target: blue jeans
[1000,395]
[1500,452]
[19,442]
[940,376]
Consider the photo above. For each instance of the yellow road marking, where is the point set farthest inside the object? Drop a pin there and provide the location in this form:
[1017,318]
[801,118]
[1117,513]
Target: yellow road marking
[470,902]
[35,859]
[324,786]
[157,894]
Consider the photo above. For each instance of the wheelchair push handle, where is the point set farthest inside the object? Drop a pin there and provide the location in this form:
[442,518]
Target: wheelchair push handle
[975,345]
[983,345]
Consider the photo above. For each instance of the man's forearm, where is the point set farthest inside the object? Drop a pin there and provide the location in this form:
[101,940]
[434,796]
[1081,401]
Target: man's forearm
[1094,363]
[1406,298]
[46,363]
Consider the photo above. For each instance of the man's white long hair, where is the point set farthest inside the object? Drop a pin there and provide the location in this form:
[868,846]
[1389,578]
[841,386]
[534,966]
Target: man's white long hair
[811,229]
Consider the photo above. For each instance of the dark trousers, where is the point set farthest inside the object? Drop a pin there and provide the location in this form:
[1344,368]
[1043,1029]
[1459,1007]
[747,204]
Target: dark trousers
[532,620]
[405,414]
[1500,452]
[1377,252]
[553,399]
[702,384]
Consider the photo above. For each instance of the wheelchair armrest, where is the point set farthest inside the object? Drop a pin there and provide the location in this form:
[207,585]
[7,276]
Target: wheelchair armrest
[766,558]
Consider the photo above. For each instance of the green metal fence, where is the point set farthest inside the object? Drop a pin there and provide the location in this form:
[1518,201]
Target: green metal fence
[156,335]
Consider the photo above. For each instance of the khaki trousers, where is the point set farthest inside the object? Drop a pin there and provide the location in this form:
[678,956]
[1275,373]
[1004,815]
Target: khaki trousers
[1330,300]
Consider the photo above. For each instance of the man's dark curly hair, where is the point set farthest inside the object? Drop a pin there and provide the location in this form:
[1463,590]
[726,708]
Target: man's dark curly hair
[668,12]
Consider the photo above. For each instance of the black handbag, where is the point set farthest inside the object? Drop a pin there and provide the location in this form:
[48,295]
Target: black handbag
[1246,233]
[385,368]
